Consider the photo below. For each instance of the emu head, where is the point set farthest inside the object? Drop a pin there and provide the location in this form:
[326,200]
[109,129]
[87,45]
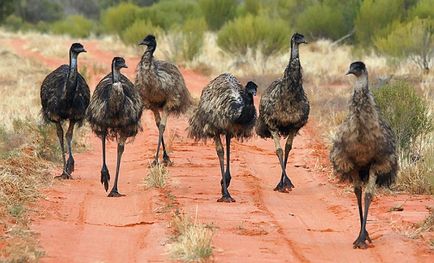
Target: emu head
[357,69]
[251,88]
[298,39]
[77,48]
[118,63]
[149,41]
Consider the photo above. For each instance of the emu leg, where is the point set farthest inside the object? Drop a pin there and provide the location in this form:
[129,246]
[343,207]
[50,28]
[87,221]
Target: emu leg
[358,192]
[105,175]
[226,197]
[161,129]
[361,240]
[285,185]
[285,181]
[65,174]
[69,133]
[114,192]
[166,159]
[227,176]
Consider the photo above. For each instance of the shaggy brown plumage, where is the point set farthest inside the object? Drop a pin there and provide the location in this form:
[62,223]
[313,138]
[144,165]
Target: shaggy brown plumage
[162,88]
[114,112]
[284,109]
[65,96]
[225,108]
[364,148]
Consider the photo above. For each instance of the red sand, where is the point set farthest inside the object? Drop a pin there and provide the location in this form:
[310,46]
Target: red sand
[316,222]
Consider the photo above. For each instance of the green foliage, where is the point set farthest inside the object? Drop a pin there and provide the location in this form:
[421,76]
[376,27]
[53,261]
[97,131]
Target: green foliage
[375,19]
[192,31]
[322,21]
[138,30]
[407,113]
[6,8]
[256,33]
[414,39]
[165,14]
[217,13]
[252,6]
[75,26]
[33,11]
[423,9]
[116,19]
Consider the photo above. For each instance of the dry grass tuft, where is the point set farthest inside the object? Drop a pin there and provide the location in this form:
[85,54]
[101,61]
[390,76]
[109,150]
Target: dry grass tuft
[158,176]
[192,241]
[426,226]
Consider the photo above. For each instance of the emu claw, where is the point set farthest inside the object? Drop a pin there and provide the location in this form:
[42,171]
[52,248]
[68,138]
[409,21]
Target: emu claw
[114,193]
[226,199]
[63,176]
[284,187]
[167,161]
[360,242]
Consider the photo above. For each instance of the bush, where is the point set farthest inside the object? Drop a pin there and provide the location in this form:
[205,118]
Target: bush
[165,14]
[256,33]
[192,38]
[375,19]
[423,9]
[322,21]
[414,39]
[116,19]
[75,26]
[217,13]
[408,115]
[137,31]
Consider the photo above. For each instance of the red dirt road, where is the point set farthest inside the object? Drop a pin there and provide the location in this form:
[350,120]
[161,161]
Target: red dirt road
[316,222]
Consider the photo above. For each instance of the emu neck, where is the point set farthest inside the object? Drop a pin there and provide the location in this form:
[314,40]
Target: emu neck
[292,76]
[116,75]
[71,82]
[362,103]
[361,84]
[148,57]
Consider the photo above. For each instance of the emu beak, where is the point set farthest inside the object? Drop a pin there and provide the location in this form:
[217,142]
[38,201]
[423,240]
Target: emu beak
[125,66]
[349,72]
[142,43]
[305,42]
[83,50]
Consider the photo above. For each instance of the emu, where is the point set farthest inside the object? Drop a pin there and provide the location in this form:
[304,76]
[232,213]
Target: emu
[364,149]
[65,96]
[114,113]
[162,88]
[225,108]
[284,110]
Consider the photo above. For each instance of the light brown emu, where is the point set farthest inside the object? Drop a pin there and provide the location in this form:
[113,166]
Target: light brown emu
[162,88]
[114,113]
[65,96]
[284,109]
[225,108]
[364,148]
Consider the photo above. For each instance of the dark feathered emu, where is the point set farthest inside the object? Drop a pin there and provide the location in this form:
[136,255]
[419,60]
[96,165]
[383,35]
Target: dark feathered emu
[225,108]
[65,96]
[364,148]
[114,112]
[162,88]
[284,109]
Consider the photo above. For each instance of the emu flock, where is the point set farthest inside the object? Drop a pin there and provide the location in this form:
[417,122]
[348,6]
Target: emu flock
[363,150]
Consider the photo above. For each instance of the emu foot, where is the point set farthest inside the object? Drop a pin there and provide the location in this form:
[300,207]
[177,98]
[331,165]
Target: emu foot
[167,161]
[70,165]
[114,193]
[105,177]
[360,242]
[285,186]
[63,176]
[154,163]
[226,199]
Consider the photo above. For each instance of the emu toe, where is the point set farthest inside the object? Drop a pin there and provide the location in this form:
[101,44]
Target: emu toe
[285,186]
[114,193]
[63,176]
[226,199]
[360,242]
[105,177]
[70,165]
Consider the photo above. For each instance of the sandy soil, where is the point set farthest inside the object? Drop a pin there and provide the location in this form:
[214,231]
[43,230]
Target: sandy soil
[316,222]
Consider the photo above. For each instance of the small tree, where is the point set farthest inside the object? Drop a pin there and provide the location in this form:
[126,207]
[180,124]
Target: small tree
[118,18]
[414,39]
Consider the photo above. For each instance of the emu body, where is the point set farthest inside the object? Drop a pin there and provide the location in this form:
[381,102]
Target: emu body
[284,109]
[65,96]
[162,88]
[114,113]
[225,108]
[364,148]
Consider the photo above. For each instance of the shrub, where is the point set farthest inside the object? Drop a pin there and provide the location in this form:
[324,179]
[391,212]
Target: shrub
[414,39]
[118,18]
[408,115]
[192,33]
[75,26]
[423,9]
[6,8]
[138,30]
[256,33]
[165,14]
[375,18]
[217,13]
